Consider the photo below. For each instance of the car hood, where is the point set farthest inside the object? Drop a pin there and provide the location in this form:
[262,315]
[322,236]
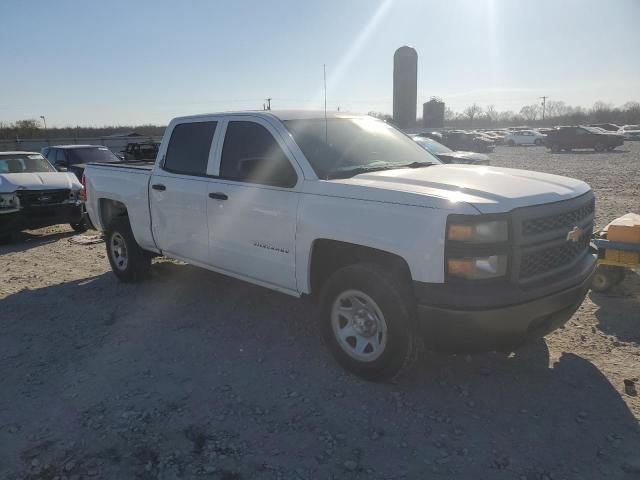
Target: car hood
[10,182]
[487,189]
[469,157]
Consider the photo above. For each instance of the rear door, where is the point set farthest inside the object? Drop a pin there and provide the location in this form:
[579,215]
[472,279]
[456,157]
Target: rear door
[584,138]
[178,192]
[253,202]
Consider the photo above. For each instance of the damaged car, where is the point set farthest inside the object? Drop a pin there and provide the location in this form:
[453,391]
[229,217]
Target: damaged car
[34,195]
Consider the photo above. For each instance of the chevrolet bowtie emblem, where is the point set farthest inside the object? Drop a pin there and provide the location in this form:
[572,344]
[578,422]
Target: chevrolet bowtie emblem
[574,234]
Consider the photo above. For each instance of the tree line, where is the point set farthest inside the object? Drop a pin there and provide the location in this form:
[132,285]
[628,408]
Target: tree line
[556,112]
[32,128]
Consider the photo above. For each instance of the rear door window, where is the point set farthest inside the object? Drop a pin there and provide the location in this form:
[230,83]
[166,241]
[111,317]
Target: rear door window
[189,146]
[251,154]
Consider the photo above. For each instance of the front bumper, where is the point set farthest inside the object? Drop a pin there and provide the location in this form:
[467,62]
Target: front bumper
[449,328]
[39,217]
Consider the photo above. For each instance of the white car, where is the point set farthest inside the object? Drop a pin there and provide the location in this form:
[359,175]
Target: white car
[630,132]
[34,195]
[524,137]
[392,244]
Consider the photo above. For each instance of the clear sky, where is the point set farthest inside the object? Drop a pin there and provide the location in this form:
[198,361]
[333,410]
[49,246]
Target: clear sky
[123,62]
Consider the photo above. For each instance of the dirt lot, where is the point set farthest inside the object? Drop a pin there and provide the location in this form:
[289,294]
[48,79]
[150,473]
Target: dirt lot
[194,375]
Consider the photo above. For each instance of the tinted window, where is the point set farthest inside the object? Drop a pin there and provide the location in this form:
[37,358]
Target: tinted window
[93,154]
[251,154]
[59,156]
[188,150]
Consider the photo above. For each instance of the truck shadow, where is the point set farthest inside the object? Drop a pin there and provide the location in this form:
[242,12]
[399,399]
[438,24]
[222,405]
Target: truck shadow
[30,239]
[190,347]
[619,310]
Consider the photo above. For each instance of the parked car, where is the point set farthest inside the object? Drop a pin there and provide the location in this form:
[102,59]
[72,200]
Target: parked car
[630,132]
[446,155]
[472,142]
[74,158]
[568,138]
[609,127]
[392,244]
[524,137]
[141,151]
[34,195]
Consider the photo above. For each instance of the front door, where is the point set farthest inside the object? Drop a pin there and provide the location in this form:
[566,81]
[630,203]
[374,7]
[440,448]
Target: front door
[253,204]
[178,192]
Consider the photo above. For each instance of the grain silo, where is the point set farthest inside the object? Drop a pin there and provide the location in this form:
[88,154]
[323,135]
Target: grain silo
[405,86]
[433,113]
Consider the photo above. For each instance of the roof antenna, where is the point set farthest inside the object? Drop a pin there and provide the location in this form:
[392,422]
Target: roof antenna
[326,130]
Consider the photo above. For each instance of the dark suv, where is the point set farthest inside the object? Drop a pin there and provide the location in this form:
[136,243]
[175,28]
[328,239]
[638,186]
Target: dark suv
[73,158]
[568,138]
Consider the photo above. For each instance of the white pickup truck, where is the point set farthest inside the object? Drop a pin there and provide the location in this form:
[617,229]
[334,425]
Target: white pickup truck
[395,246]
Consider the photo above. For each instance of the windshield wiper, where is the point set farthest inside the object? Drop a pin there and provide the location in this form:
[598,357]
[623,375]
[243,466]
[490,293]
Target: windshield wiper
[357,171]
[360,170]
[416,165]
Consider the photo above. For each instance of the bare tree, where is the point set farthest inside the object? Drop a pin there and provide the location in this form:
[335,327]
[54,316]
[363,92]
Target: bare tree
[530,112]
[471,112]
[491,113]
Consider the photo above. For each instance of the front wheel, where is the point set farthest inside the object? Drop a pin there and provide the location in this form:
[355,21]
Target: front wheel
[538,142]
[555,148]
[511,143]
[366,318]
[600,147]
[128,261]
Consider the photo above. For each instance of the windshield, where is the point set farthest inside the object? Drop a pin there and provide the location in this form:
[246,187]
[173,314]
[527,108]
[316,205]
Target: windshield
[339,145]
[87,155]
[593,129]
[432,146]
[25,163]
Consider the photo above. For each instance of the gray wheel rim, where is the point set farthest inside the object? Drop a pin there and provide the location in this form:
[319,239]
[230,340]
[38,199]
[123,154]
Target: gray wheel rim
[119,253]
[359,325]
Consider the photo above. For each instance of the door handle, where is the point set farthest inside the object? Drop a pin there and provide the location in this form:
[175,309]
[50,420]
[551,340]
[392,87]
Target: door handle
[159,186]
[218,196]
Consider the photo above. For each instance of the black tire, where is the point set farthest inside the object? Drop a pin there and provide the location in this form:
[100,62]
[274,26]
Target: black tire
[511,143]
[391,296]
[538,141]
[555,148]
[129,262]
[600,147]
[79,227]
[607,277]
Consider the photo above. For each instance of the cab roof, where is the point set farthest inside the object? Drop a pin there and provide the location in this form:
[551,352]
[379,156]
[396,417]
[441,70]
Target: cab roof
[282,115]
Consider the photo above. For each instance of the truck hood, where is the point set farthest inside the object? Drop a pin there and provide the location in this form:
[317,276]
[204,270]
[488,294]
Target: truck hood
[488,189]
[10,182]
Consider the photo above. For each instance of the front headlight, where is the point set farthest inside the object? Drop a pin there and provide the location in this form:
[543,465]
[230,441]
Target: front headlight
[478,268]
[9,202]
[494,231]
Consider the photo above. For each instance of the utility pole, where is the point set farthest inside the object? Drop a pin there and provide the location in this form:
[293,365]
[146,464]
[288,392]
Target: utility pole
[544,106]
[268,103]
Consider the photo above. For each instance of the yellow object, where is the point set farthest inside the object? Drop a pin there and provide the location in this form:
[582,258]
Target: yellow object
[625,229]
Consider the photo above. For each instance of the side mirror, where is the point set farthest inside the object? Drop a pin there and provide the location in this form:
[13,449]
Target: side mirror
[61,169]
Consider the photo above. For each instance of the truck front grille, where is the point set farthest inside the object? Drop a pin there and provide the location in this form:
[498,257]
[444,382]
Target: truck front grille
[40,198]
[553,258]
[543,245]
[568,219]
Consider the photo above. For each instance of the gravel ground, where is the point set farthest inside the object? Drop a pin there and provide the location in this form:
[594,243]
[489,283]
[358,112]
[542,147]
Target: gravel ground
[195,375]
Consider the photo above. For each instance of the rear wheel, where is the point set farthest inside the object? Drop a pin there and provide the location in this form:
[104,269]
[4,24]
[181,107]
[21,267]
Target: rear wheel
[555,148]
[511,143]
[366,318]
[128,261]
[538,141]
[600,147]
